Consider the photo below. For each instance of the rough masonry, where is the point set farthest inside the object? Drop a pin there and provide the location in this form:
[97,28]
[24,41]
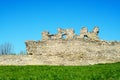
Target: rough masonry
[64,38]
[67,48]
[66,42]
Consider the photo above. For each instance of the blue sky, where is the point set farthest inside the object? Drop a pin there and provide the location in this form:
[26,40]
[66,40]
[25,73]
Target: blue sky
[22,20]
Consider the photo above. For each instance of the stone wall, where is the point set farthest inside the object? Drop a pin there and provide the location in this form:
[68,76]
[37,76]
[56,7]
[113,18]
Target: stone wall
[86,53]
[56,49]
[52,44]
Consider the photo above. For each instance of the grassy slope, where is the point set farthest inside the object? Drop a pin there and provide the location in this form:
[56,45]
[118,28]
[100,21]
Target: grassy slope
[94,72]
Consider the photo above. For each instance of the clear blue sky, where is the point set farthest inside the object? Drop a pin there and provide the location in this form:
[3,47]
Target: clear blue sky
[22,20]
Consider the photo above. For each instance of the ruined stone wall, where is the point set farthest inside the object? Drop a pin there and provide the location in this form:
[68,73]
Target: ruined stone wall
[66,52]
[56,49]
[53,47]
[52,44]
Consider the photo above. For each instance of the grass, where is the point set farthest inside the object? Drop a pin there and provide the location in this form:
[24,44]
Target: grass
[93,72]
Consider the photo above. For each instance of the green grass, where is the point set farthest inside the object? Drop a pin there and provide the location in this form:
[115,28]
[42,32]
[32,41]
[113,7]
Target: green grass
[93,72]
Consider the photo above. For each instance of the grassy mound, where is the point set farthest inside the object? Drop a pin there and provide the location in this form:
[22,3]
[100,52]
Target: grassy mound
[93,72]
